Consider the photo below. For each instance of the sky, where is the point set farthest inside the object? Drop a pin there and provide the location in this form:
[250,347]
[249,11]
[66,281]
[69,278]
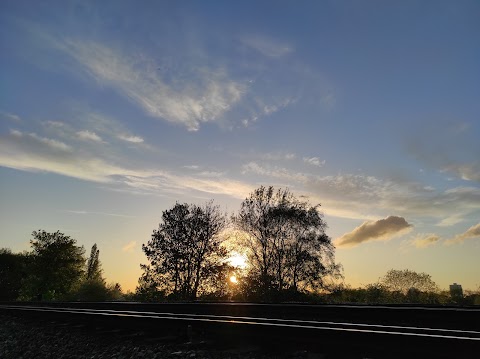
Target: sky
[112,111]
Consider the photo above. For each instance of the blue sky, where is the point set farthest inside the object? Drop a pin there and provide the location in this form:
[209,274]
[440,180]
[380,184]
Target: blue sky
[111,111]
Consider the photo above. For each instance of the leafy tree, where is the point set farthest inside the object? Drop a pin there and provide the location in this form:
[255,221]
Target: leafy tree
[94,269]
[186,250]
[92,286]
[90,291]
[285,237]
[13,270]
[115,291]
[404,280]
[57,266]
[148,286]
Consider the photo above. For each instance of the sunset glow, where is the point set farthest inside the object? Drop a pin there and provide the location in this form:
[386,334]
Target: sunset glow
[110,114]
[238,260]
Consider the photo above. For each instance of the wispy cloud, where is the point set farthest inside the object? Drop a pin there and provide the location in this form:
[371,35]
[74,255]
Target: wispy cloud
[129,247]
[424,240]
[89,136]
[30,152]
[471,233]
[99,213]
[33,153]
[10,116]
[130,138]
[450,149]
[383,229]
[360,196]
[465,171]
[206,98]
[267,46]
[314,161]
[450,221]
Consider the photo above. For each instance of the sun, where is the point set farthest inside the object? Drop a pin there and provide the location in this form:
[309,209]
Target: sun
[238,260]
[233,279]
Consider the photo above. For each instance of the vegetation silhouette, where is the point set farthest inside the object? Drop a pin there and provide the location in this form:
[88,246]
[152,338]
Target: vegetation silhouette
[288,250]
[290,258]
[185,254]
[54,270]
[13,270]
[56,266]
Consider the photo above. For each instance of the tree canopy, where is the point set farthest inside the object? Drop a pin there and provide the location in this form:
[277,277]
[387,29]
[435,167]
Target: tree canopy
[186,251]
[57,265]
[404,280]
[288,249]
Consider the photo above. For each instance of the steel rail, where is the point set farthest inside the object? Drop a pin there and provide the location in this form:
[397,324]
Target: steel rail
[468,335]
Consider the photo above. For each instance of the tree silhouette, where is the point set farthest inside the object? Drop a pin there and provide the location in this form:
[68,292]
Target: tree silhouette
[185,251]
[94,270]
[406,280]
[13,270]
[286,241]
[56,268]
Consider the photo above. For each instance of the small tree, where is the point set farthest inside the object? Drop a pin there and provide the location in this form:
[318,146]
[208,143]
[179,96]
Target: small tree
[404,280]
[186,250]
[57,266]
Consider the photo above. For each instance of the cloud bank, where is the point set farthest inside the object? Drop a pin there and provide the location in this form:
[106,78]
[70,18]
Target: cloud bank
[383,229]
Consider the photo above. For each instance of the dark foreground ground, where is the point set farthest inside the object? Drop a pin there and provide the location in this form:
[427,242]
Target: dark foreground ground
[23,338]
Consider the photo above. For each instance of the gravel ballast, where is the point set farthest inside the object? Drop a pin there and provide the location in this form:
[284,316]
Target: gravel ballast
[22,338]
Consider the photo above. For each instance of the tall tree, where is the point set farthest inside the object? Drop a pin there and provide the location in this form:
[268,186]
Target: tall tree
[57,265]
[286,241]
[186,250]
[404,280]
[94,269]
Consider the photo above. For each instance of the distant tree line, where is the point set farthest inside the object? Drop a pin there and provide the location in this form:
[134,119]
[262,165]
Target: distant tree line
[54,269]
[289,255]
[289,258]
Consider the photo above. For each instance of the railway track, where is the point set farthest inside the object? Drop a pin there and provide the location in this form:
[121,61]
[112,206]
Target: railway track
[373,331]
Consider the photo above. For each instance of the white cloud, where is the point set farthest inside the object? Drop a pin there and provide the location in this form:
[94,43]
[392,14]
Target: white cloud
[383,229]
[129,247]
[89,136]
[359,196]
[277,156]
[30,152]
[424,240]
[465,171]
[450,221]
[130,138]
[208,96]
[275,171]
[471,233]
[10,116]
[33,137]
[314,161]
